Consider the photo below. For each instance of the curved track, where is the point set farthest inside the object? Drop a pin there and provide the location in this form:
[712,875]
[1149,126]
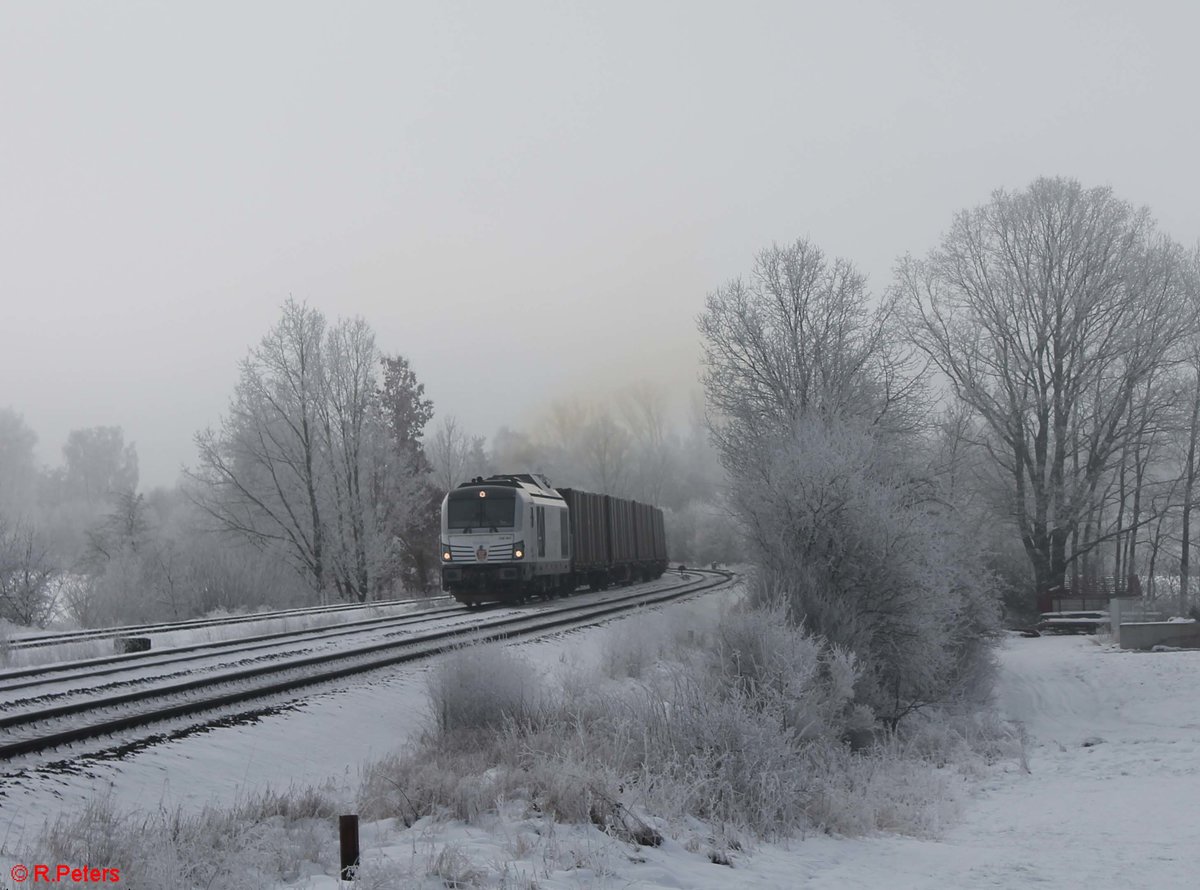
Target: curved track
[45,726]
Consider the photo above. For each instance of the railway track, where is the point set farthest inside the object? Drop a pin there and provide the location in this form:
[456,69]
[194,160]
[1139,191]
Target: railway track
[43,726]
[44,677]
[34,641]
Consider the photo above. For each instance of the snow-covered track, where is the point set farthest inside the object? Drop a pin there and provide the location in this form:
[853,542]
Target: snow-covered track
[108,665]
[37,730]
[33,641]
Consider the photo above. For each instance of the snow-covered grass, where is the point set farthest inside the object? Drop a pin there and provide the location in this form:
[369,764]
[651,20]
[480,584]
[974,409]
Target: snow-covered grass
[703,740]
[740,726]
[263,840]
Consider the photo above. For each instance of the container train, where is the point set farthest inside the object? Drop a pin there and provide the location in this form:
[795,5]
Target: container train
[507,538]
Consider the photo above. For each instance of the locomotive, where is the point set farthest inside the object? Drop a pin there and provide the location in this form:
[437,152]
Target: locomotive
[507,538]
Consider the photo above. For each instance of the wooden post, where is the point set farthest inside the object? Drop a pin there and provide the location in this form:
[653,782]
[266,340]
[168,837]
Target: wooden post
[348,833]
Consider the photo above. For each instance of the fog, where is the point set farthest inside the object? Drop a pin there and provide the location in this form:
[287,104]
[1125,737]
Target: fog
[524,199]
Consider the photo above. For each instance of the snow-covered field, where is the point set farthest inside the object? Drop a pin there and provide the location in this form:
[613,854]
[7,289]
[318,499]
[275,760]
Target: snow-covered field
[1108,795]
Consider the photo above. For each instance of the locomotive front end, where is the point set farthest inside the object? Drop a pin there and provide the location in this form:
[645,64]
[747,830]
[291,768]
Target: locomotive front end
[483,553]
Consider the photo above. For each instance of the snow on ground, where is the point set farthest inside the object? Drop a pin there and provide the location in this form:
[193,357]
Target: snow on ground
[324,741]
[1110,796]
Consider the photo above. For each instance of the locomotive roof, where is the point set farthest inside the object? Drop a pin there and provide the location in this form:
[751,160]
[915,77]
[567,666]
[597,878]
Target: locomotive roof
[535,484]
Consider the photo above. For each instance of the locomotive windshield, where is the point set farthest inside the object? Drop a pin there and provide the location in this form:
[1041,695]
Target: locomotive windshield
[466,509]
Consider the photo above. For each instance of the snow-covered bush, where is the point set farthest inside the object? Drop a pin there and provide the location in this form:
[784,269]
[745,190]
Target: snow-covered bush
[480,689]
[740,725]
[858,548]
[760,655]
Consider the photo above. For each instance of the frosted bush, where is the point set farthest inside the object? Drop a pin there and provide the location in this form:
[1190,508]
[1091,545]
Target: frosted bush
[479,689]
[762,656]
[860,550]
[266,839]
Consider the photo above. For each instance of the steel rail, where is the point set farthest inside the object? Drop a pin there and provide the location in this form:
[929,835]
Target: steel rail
[105,633]
[87,668]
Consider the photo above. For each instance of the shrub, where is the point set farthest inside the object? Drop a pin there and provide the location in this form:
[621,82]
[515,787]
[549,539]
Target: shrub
[858,549]
[480,689]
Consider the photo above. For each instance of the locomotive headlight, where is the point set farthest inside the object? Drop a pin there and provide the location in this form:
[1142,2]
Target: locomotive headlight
[519,550]
[445,553]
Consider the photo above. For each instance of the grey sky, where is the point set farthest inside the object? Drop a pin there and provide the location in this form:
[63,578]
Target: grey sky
[523,198]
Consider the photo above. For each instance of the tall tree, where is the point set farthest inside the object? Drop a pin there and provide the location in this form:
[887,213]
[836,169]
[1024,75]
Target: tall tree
[18,471]
[1048,311]
[813,405]
[801,337]
[260,474]
[99,464]
[411,495]
[354,445]
[1190,472]
[315,458]
[606,452]
[644,411]
[449,454]
[27,573]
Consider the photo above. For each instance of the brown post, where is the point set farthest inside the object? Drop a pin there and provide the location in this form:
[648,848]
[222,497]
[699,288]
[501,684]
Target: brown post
[348,833]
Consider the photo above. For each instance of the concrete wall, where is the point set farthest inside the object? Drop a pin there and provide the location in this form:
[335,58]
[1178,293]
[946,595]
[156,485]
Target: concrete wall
[1147,635]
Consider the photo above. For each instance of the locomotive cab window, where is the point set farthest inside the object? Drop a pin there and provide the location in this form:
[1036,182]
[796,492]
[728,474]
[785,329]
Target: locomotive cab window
[467,510]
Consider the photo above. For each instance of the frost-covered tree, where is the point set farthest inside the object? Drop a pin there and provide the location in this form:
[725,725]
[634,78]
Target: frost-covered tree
[99,464]
[314,459]
[27,575]
[643,409]
[814,411]
[801,337]
[1052,312]
[354,447]
[851,536]
[409,497]
[18,470]
[123,529]
[606,453]
[260,475]
[450,453]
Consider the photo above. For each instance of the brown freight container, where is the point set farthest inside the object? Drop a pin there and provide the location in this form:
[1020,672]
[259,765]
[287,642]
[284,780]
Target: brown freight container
[660,538]
[614,534]
[589,536]
[643,537]
[620,530]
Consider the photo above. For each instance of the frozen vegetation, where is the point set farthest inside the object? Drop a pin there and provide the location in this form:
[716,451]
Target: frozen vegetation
[1017,413]
[1086,774]
[708,738]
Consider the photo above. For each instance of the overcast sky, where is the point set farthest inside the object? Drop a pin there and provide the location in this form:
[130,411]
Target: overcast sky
[525,199]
